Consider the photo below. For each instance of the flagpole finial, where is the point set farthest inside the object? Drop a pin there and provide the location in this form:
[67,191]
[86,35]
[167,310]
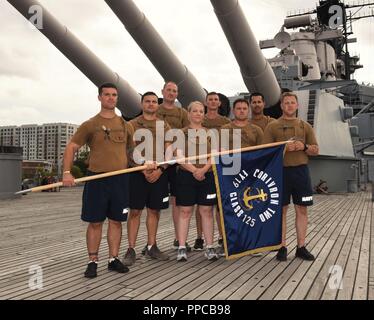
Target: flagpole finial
[22,191]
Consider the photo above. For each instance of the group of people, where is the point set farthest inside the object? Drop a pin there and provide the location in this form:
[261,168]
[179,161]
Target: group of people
[188,186]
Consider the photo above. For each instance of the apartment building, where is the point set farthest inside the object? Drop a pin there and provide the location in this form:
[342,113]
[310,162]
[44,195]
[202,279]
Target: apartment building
[40,142]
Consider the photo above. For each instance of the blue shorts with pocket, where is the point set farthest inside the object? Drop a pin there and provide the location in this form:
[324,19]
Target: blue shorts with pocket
[150,195]
[297,183]
[106,198]
[191,191]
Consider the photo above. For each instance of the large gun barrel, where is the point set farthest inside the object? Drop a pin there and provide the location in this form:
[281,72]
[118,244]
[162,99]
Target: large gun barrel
[157,51]
[82,57]
[256,71]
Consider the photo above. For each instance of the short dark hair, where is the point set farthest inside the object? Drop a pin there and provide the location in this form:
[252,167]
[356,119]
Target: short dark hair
[107,85]
[239,101]
[148,93]
[256,94]
[212,93]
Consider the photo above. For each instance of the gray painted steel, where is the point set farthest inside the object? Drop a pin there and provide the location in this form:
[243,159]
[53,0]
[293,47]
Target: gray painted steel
[157,51]
[365,122]
[10,171]
[341,175]
[82,57]
[255,69]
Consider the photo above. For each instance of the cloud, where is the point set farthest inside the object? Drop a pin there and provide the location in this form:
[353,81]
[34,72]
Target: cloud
[16,63]
[40,85]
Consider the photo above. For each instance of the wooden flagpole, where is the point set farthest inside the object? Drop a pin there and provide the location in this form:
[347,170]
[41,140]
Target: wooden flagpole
[143,167]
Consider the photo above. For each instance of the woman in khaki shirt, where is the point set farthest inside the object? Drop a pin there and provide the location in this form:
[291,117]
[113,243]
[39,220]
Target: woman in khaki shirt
[195,183]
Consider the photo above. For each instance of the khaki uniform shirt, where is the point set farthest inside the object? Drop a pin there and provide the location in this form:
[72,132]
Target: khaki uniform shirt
[196,145]
[176,117]
[262,122]
[108,140]
[282,130]
[249,135]
[154,150]
[216,123]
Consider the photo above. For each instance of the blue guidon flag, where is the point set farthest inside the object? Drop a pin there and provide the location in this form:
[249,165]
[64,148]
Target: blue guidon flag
[250,201]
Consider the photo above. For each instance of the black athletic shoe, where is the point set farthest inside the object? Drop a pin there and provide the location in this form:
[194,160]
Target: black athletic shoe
[155,253]
[130,257]
[91,271]
[199,244]
[176,245]
[145,249]
[117,265]
[282,254]
[304,254]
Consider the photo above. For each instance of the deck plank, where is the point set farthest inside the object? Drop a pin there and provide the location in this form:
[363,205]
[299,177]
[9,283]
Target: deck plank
[45,229]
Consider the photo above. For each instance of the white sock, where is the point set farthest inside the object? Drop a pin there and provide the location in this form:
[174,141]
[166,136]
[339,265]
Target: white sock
[182,247]
[149,247]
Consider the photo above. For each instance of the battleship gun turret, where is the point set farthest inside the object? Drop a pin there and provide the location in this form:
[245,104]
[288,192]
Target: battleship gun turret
[157,51]
[82,57]
[256,71]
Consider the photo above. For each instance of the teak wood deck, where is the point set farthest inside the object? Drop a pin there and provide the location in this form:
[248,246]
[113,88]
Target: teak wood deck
[44,229]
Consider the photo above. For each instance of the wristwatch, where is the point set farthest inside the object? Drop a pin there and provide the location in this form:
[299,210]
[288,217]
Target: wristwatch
[305,147]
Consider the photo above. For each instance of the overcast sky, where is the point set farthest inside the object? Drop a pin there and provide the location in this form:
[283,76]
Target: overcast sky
[39,85]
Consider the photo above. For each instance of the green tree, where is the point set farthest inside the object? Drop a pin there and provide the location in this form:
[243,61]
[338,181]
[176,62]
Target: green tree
[82,162]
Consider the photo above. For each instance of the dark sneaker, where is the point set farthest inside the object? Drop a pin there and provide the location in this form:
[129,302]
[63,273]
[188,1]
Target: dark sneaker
[116,265]
[175,244]
[210,254]
[220,250]
[130,257]
[220,242]
[182,254]
[155,253]
[304,254]
[199,244]
[91,271]
[282,254]
[144,250]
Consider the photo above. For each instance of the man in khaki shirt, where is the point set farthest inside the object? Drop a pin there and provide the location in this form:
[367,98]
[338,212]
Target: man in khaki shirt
[257,103]
[249,134]
[212,120]
[296,177]
[149,188]
[177,118]
[108,137]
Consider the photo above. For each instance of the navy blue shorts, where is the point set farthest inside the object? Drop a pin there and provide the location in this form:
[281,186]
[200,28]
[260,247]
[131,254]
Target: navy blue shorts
[297,183]
[151,195]
[191,191]
[171,172]
[106,198]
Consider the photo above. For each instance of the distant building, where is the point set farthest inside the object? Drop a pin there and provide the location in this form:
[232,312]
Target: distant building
[30,168]
[46,142]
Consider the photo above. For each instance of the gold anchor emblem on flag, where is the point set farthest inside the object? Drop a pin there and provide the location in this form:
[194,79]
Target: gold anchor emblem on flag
[248,197]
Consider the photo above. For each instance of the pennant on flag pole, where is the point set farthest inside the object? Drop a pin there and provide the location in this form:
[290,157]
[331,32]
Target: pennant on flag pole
[250,201]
